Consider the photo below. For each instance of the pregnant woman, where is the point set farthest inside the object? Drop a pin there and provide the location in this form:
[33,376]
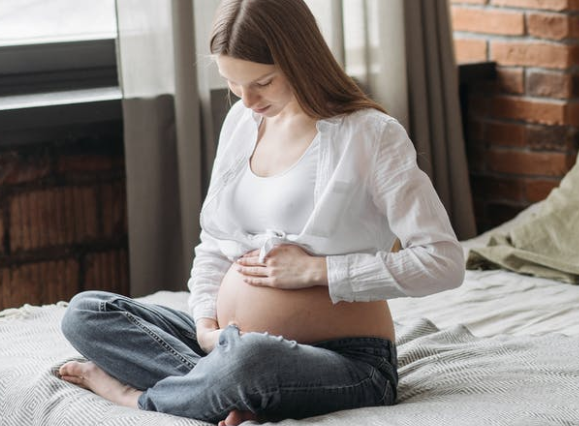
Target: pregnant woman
[312,185]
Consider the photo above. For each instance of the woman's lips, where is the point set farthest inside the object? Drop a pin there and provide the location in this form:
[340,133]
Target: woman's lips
[261,110]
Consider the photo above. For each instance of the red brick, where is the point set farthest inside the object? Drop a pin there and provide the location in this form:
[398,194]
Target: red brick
[511,80]
[574,26]
[539,189]
[114,209]
[470,50]
[506,134]
[476,155]
[498,188]
[548,112]
[554,26]
[556,5]
[487,21]
[479,205]
[575,85]
[571,159]
[478,106]
[476,130]
[533,54]
[499,213]
[15,169]
[550,138]
[573,116]
[39,283]
[107,271]
[86,213]
[18,228]
[574,139]
[52,217]
[549,84]
[4,287]
[527,163]
[84,163]
[1,232]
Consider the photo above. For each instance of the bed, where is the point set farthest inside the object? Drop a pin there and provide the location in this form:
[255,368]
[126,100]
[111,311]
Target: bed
[502,349]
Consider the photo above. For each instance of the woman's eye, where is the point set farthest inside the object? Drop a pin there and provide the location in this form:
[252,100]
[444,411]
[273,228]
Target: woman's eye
[263,84]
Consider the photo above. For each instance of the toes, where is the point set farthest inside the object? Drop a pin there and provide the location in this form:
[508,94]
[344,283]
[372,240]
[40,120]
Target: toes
[80,370]
[71,368]
[231,419]
[237,417]
[75,380]
[73,372]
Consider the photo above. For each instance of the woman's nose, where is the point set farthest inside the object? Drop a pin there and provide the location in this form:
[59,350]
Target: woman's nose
[249,97]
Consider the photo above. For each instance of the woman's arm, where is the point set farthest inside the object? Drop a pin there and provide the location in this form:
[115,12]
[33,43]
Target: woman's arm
[210,265]
[209,268]
[208,333]
[431,259]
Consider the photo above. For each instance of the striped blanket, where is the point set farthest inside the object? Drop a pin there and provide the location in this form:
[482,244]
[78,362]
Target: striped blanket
[448,377]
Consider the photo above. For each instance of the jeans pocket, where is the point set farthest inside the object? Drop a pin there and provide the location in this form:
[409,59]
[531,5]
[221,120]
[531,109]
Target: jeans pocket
[384,383]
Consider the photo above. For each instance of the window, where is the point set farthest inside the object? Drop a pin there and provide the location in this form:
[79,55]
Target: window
[56,46]
[37,21]
[57,52]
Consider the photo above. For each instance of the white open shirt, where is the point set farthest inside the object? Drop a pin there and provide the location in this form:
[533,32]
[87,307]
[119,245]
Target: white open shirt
[369,191]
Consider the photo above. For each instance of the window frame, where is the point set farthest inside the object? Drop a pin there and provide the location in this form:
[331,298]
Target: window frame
[56,88]
[58,66]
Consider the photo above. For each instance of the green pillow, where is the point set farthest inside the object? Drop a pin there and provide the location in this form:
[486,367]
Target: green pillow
[545,244]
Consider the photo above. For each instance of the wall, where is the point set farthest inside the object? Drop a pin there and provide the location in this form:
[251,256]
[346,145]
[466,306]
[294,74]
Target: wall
[522,129]
[63,225]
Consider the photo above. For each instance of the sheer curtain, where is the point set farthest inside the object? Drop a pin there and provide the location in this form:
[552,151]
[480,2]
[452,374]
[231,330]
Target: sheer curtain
[163,140]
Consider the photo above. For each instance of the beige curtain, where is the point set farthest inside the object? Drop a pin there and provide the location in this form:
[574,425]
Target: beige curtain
[163,140]
[434,110]
[402,52]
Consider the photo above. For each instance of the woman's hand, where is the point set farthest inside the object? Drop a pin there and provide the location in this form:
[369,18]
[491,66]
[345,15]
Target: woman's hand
[287,266]
[208,333]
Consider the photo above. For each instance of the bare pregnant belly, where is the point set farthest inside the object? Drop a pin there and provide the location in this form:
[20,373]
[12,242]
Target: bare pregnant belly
[306,315]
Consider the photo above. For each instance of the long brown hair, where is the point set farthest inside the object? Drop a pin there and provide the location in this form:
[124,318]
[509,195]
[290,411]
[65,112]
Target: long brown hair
[285,33]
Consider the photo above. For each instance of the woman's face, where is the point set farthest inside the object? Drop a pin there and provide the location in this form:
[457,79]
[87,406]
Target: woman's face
[263,88]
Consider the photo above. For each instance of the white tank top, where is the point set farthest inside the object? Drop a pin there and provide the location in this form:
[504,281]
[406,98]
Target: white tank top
[281,203]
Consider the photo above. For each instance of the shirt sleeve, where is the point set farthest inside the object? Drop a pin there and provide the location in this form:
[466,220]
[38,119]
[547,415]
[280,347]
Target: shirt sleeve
[209,268]
[210,264]
[431,259]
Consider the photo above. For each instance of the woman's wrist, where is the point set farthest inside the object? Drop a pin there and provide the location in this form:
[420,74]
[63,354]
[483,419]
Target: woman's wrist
[206,324]
[318,271]
[207,333]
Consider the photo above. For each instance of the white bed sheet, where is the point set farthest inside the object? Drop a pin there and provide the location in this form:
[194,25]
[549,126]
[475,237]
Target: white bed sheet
[502,349]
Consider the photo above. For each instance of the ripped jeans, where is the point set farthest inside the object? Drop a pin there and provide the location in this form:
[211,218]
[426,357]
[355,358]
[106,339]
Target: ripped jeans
[154,349]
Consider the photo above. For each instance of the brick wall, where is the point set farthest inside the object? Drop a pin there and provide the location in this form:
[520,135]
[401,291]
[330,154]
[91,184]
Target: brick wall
[522,128]
[63,223]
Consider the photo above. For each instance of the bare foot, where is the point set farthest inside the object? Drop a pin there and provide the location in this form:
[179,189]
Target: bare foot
[89,376]
[237,417]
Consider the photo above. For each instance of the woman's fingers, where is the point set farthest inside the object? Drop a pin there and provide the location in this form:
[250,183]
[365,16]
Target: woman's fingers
[255,271]
[258,282]
[250,261]
[253,253]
